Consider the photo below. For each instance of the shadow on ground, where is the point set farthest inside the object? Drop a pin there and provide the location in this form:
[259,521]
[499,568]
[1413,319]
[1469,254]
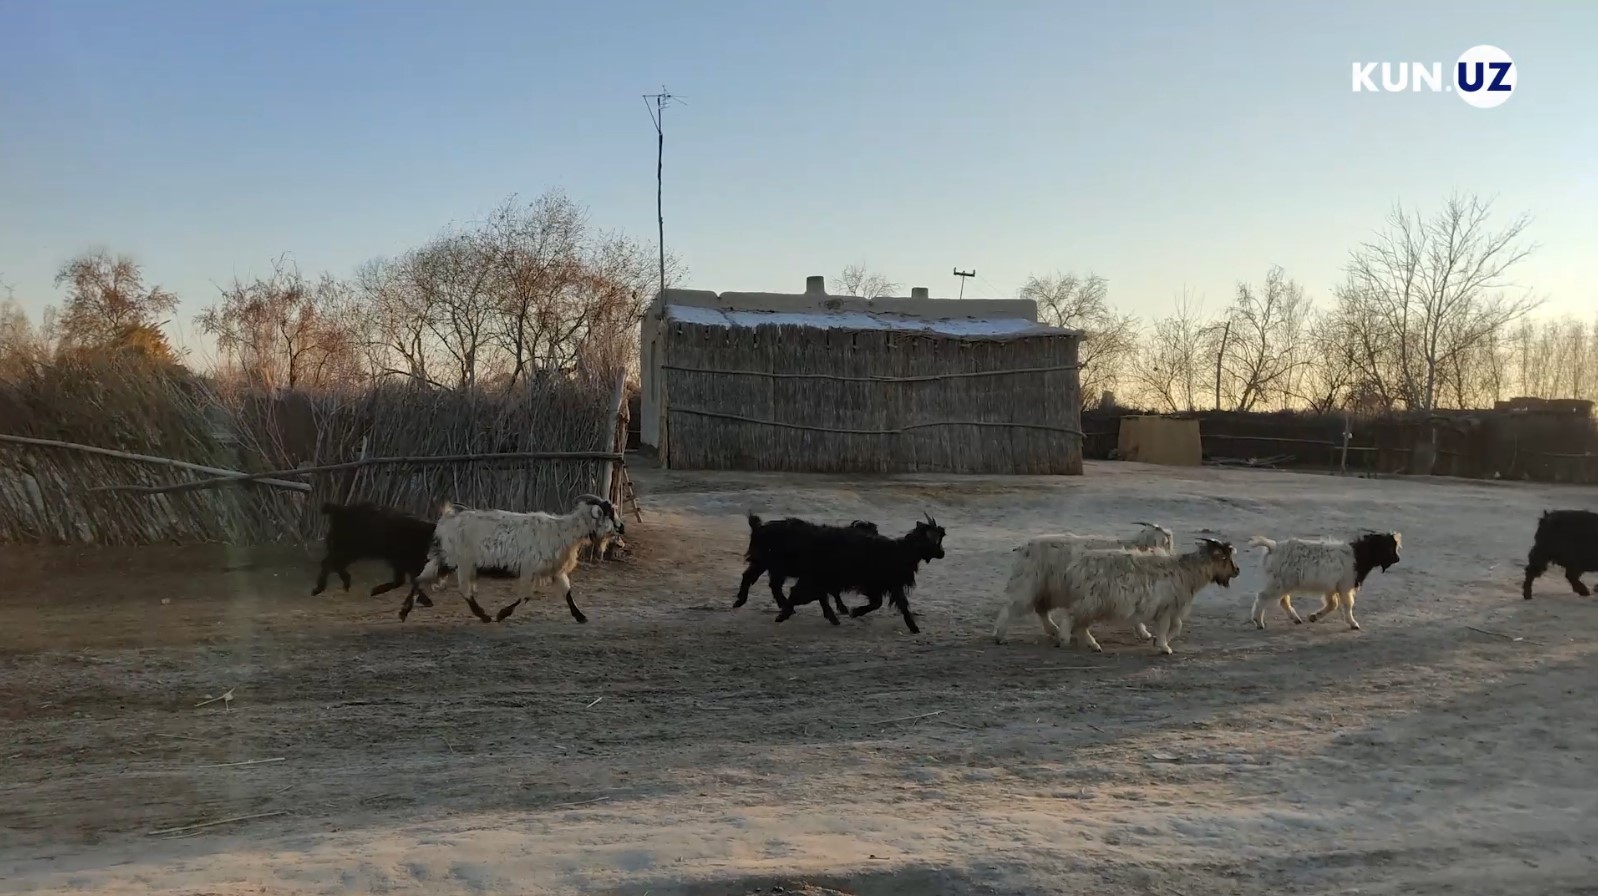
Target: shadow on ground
[903,881]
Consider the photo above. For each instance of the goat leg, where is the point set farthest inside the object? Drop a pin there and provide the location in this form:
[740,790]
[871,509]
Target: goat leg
[873,602]
[826,610]
[753,572]
[330,564]
[1536,565]
[1573,576]
[903,603]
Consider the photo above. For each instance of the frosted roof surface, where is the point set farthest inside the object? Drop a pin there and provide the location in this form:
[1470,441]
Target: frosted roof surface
[861,320]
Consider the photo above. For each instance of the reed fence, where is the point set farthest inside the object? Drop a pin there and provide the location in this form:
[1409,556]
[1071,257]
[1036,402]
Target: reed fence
[111,453]
[801,399]
[1557,447]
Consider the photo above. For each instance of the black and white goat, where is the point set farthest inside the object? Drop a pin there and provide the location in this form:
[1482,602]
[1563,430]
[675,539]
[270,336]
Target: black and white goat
[1333,569]
[367,531]
[1088,587]
[772,547]
[535,547]
[1565,538]
[838,559]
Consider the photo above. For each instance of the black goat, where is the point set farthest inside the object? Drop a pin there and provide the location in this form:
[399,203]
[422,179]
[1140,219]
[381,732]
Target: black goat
[872,564]
[367,531]
[774,547]
[1567,538]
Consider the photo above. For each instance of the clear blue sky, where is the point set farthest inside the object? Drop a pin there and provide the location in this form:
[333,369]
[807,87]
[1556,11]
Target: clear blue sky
[1160,144]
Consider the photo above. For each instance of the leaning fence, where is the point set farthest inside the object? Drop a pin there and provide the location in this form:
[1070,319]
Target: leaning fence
[108,453]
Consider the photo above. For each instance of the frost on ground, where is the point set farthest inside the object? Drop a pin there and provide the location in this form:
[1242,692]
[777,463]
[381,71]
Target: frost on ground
[672,746]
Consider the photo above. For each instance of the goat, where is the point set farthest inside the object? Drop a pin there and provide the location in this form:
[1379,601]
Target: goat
[772,545]
[851,559]
[367,531]
[1152,537]
[534,547]
[1335,569]
[1116,585]
[1566,538]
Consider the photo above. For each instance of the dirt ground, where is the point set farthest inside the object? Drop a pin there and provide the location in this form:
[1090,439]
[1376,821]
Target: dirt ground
[672,746]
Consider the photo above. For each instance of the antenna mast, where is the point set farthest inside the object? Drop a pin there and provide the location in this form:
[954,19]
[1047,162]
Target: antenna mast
[964,275]
[657,114]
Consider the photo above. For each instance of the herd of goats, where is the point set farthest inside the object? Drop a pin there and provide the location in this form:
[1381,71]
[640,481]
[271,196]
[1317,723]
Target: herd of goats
[1071,582]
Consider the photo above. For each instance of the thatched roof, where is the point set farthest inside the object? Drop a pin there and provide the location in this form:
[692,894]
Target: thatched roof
[981,329]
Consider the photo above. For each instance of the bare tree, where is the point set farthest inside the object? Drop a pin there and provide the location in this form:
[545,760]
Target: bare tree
[395,321]
[1424,292]
[531,290]
[1109,339]
[1263,346]
[283,331]
[108,305]
[1330,370]
[22,345]
[857,281]
[1175,356]
[537,263]
[569,295]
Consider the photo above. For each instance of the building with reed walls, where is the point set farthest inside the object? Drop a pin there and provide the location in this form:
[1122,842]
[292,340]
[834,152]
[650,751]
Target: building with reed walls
[808,382]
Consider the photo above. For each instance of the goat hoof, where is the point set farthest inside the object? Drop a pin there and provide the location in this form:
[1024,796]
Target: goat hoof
[1298,621]
[1354,627]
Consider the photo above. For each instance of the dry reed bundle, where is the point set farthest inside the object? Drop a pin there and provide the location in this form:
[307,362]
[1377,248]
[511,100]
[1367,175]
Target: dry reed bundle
[59,494]
[124,404]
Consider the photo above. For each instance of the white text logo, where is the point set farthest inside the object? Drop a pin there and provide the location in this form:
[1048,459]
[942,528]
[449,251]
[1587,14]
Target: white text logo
[1483,76]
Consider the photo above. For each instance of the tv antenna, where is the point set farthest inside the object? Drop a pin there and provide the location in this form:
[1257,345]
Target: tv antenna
[657,114]
[964,275]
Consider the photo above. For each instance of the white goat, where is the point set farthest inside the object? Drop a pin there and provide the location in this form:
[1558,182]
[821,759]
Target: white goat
[535,547]
[1333,569]
[1152,537]
[1093,586]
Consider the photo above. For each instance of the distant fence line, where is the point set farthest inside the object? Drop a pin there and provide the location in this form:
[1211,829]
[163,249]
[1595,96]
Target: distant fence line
[1483,444]
[535,447]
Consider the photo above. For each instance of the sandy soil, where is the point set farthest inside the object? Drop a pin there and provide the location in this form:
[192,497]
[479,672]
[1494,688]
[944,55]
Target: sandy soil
[672,746]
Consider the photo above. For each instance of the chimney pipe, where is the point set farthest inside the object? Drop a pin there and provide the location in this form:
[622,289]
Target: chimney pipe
[815,285]
[918,292]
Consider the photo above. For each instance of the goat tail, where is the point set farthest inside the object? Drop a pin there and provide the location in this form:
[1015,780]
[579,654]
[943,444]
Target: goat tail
[754,522]
[1260,541]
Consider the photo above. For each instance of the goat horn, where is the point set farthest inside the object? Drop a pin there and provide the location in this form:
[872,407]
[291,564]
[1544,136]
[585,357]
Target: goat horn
[590,499]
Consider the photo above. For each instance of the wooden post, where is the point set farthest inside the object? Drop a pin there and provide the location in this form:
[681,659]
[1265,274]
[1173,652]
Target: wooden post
[349,482]
[1343,466]
[607,476]
[1226,336]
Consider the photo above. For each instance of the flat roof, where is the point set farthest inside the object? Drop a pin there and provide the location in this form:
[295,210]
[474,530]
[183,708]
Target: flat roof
[979,327]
